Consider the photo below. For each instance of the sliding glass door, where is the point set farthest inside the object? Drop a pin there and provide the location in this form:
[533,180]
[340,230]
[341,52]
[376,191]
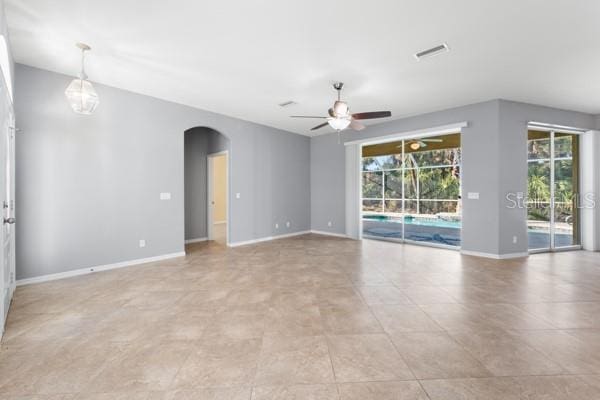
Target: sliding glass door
[552,190]
[411,190]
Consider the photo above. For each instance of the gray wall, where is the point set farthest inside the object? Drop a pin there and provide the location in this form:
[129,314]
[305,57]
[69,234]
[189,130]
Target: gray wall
[88,186]
[198,143]
[494,164]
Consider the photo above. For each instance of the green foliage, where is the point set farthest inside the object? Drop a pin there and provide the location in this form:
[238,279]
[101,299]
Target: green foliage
[435,172]
[371,184]
[538,182]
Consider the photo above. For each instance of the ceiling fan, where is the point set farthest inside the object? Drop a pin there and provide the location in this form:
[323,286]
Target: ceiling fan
[340,117]
[417,144]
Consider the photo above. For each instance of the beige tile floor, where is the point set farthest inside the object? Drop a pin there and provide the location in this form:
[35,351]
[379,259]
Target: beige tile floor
[311,317]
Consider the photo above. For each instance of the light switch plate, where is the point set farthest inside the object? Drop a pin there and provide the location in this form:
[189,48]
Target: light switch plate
[238,195]
[165,196]
[473,195]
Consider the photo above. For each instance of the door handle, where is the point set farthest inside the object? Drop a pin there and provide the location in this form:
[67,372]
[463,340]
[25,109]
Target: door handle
[10,220]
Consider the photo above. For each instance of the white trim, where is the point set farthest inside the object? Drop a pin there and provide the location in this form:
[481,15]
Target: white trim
[267,238]
[542,126]
[589,165]
[494,256]
[91,270]
[202,239]
[325,233]
[418,133]
[412,242]
[556,249]
[219,222]
[353,191]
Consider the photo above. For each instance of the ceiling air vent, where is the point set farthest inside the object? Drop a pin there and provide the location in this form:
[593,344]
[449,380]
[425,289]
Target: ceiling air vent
[287,103]
[434,51]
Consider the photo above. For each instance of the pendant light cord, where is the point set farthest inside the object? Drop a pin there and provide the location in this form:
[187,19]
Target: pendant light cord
[82,74]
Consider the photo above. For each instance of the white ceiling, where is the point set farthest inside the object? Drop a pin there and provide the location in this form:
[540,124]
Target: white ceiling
[242,58]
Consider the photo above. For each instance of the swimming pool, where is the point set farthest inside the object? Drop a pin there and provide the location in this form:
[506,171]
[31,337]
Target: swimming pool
[430,229]
[410,220]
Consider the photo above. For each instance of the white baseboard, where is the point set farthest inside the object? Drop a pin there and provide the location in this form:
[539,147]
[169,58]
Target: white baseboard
[219,222]
[91,270]
[494,256]
[340,235]
[267,238]
[204,239]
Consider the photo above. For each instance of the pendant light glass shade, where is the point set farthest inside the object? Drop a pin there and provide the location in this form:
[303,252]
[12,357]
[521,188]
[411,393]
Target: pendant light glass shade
[82,97]
[81,94]
[339,124]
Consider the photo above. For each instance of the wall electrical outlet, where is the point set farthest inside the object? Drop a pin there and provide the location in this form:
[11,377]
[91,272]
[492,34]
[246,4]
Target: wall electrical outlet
[142,243]
[238,195]
[515,239]
[288,224]
[329,224]
[276,226]
[165,196]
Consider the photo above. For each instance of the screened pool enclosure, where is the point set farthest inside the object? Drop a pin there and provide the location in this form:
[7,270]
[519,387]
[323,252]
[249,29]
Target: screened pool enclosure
[411,190]
[552,190]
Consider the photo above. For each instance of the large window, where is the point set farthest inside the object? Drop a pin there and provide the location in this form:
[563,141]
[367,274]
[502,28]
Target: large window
[411,190]
[552,190]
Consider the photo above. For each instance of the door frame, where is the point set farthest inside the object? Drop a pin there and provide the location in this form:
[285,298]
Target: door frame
[353,180]
[8,211]
[552,130]
[354,223]
[209,193]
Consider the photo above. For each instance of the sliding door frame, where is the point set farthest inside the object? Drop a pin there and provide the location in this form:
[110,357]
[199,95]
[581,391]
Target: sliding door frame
[552,131]
[418,134]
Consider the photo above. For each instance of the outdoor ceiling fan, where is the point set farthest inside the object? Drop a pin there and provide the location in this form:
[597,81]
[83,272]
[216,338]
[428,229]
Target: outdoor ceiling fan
[340,117]
[417,144]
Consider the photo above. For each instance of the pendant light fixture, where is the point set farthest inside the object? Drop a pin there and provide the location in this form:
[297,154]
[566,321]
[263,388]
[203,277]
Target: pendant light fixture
[80,93]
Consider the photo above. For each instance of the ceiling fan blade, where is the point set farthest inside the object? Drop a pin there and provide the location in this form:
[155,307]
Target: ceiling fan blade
[305,116]
[331,113]
[357,126]
[372,115]
[320,126]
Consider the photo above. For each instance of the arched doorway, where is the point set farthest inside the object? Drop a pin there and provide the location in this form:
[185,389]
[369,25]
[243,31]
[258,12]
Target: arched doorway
[206,186]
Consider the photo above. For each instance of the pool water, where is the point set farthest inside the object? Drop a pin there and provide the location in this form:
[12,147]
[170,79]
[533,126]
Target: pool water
[443,232]
[409,220]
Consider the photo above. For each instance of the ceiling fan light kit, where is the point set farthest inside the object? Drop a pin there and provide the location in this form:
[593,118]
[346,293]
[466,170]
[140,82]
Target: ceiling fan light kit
[339,124]
[340,117]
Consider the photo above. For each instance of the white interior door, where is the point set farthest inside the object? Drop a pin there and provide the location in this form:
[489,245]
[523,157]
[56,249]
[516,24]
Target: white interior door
[7,190]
